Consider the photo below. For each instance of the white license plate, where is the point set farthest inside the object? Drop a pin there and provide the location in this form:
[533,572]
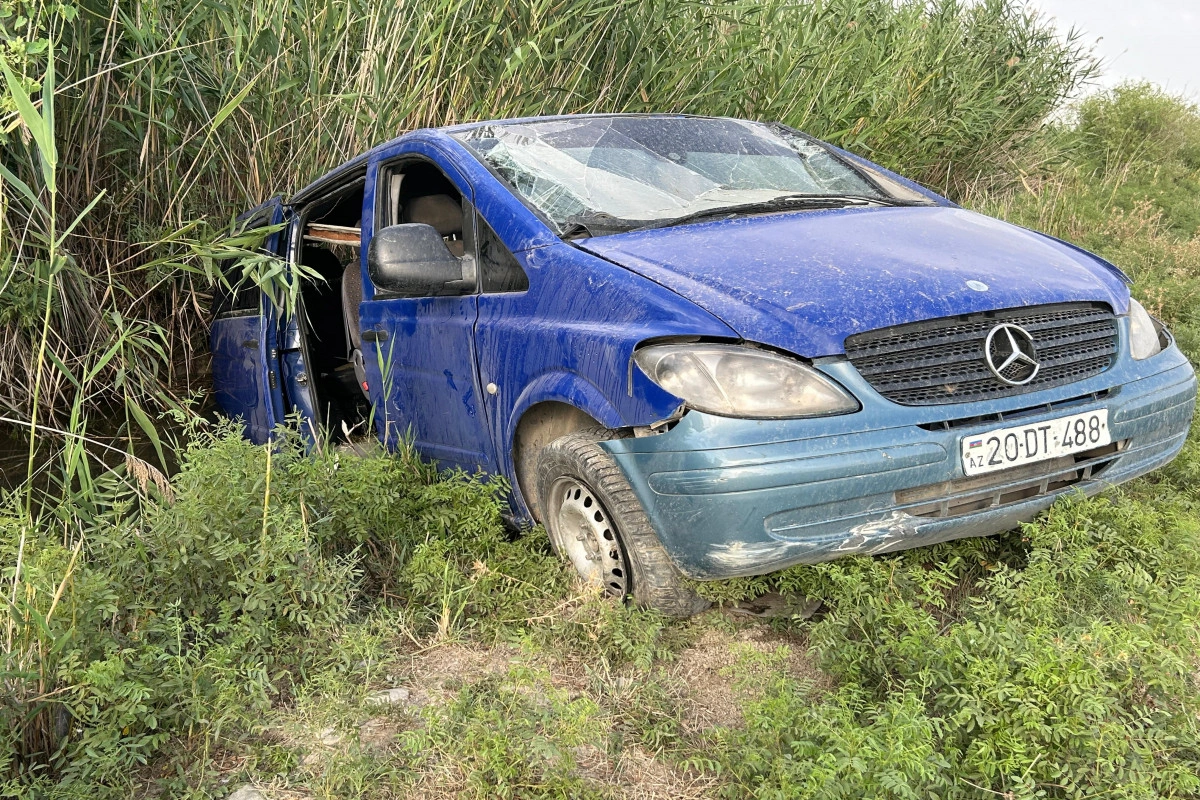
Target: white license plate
[1024,444]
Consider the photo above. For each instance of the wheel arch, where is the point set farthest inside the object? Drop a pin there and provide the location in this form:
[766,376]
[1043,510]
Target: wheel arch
[553,406]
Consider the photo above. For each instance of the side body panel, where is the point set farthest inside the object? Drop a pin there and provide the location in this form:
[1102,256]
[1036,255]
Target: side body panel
[569,338]
[238,371]
[422,377]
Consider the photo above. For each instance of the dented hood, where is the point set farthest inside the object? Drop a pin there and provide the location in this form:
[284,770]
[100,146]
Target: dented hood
[804,281]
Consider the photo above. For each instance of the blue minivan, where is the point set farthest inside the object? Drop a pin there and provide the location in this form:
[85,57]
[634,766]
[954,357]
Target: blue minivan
[701,347]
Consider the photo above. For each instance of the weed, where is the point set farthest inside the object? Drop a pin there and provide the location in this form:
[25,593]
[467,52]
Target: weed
[507,737]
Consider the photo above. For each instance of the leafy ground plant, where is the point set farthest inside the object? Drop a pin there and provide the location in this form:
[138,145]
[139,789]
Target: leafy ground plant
[191,608]
[1063,666]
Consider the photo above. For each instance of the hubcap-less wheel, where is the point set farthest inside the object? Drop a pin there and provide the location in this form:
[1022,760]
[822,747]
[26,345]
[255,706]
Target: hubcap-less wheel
[588,537]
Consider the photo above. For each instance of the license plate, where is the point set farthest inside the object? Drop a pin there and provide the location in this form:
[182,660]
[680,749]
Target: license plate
[1024,444]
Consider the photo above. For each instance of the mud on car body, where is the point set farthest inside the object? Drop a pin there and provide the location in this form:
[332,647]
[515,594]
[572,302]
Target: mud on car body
[702,347]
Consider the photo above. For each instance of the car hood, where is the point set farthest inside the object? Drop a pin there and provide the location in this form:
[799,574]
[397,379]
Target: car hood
[804,281]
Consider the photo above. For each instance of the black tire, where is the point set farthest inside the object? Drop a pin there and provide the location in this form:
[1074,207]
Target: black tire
[645,572]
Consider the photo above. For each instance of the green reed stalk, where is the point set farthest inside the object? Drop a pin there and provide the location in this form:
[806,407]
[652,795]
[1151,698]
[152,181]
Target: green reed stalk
[41,128]
[187,111]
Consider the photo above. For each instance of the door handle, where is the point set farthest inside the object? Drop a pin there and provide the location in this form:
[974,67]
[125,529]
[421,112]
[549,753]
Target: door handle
[372,335]
[251,344]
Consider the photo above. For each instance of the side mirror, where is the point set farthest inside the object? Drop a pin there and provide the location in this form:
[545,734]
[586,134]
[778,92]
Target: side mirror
[411,260]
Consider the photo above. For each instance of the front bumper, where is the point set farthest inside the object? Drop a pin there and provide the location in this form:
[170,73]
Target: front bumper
[732,497]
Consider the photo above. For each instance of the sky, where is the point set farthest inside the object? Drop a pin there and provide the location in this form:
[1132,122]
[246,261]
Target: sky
[1155,40]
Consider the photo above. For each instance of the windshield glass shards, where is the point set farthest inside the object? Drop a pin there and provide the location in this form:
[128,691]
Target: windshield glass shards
[597,175]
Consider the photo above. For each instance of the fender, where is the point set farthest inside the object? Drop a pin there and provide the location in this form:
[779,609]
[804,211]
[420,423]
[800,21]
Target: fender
[567,388]
[562,387]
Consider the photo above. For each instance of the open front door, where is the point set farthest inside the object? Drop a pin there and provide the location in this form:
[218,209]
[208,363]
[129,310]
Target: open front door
[418,344]
[244,338]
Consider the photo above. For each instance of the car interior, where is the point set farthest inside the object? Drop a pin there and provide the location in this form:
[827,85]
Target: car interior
[330,248]
[332,231]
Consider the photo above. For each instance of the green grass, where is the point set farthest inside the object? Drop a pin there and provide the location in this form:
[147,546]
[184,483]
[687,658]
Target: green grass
[180,637]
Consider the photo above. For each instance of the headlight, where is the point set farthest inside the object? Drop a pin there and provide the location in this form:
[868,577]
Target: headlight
[1144,340]
[739,381]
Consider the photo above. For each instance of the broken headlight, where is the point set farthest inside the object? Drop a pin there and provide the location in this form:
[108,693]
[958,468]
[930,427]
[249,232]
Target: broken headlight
[1144,338]
[739,381]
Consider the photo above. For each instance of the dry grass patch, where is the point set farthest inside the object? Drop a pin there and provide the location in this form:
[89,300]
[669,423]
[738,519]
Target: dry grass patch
[706,672]
[638,774]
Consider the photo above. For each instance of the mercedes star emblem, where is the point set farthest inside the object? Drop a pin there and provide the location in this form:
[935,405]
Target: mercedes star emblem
[1010,354]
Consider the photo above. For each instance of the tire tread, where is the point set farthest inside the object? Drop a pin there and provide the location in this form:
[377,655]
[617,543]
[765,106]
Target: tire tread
[656,582]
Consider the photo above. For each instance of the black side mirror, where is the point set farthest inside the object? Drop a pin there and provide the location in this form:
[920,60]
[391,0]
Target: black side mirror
[411,260]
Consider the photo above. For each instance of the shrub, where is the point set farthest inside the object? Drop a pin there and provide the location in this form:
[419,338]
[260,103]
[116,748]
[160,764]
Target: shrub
[1138,126]
[1059,663]
[188,614]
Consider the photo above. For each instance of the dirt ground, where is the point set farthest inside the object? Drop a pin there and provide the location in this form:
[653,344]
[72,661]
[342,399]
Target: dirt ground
[706,682]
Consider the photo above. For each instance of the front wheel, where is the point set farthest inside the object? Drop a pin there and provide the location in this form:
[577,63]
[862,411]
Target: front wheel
[596,521]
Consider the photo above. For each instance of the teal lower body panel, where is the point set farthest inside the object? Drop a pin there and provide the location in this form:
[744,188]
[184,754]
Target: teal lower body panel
[735,497]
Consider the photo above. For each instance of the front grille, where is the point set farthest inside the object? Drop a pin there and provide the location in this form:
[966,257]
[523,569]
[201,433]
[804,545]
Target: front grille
[942,360]
[997,489]
[1009,416]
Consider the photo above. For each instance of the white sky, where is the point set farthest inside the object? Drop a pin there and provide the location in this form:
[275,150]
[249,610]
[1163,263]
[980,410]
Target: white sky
[1155,40]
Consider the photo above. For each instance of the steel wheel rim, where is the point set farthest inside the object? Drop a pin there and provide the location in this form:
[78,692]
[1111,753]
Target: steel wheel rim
[588,536]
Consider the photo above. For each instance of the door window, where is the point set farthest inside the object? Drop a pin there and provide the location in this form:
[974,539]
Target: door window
[418,192]
[236,295]
[238,298]
[499,269]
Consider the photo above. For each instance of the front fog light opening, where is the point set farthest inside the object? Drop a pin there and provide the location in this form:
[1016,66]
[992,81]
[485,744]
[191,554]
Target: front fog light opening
[742,381]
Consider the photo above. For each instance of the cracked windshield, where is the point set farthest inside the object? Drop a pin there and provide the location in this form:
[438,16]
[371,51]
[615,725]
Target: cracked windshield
[609,174]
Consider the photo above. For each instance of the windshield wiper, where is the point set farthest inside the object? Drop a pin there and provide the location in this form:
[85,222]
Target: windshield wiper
[600,223]
[596,223]
[784,203]
[575,230]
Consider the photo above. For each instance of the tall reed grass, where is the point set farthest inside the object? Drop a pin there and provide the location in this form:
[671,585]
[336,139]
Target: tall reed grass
[181,113]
